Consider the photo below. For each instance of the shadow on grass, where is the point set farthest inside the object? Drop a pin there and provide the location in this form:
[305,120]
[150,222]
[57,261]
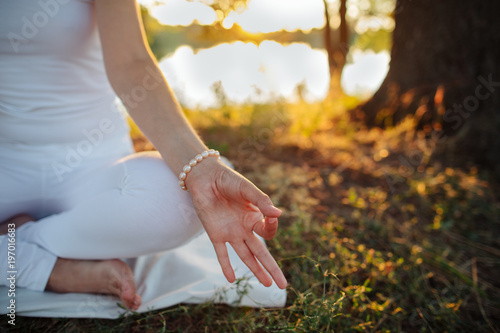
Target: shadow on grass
[376,234]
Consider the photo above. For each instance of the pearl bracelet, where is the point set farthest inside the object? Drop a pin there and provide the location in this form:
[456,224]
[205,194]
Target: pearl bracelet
[197,159]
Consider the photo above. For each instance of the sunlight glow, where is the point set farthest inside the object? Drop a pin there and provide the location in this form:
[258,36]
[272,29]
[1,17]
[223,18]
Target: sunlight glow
[269,16]
[365,24]
[182,12]
[366,73]
[247,72]
[259,73]
[229,20]
[260,16]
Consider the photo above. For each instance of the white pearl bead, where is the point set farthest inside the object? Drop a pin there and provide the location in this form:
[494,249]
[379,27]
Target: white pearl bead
[197,159]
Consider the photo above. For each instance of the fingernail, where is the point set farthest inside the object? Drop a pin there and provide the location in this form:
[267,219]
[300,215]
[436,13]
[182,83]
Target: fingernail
[273,220]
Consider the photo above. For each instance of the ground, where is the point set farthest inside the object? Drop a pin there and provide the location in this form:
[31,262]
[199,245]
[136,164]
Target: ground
[377,234]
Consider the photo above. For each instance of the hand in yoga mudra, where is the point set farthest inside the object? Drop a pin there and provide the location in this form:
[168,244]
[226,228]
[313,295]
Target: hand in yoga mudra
[231,208]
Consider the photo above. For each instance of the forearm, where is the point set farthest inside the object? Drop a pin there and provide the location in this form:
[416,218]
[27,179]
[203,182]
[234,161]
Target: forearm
[229,206]
[153,106]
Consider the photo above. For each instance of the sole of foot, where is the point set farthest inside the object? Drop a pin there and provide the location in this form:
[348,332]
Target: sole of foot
[97,277]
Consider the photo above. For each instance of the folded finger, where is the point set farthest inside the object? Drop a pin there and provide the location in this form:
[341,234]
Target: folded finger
[258,198]
[267,227]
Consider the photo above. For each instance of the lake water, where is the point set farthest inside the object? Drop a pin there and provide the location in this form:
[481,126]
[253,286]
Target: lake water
[260,73]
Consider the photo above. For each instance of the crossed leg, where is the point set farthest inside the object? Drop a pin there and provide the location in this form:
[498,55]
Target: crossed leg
[132,208]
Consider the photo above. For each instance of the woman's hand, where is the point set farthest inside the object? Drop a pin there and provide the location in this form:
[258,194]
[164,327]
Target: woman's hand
[231,208]
[228,205]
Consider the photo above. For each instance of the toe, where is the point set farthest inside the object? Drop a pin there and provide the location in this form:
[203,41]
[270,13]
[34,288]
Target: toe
[128,289]
[127,296]
[137,301]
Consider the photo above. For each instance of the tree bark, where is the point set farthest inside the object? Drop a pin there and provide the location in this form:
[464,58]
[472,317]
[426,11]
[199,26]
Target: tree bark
[336,53]
[445,72]
[344,32]
[328,40]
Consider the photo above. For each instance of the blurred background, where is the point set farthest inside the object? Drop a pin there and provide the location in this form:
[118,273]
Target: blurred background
[258,51]
[373,125]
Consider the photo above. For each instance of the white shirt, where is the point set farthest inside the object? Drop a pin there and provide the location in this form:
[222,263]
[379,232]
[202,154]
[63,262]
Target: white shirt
[53,84]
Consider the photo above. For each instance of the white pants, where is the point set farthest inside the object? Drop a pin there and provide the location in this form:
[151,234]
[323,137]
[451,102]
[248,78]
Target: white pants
[101,206]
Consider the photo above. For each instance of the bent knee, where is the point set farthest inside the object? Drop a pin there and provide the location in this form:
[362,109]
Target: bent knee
[165,209]
[165,227]
[177,221]
[146,171]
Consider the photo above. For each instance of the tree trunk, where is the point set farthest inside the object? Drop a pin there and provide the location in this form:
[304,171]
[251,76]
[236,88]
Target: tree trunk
[336,53]
[344,32]
[328,40]
[444,71]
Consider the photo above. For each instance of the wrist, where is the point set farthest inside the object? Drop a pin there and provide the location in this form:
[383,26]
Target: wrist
[199,167]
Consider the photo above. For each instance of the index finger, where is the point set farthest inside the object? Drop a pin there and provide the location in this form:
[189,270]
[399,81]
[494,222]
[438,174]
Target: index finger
[258,198]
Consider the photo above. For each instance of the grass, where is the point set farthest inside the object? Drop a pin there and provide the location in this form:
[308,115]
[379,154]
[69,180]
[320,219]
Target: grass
[377,235]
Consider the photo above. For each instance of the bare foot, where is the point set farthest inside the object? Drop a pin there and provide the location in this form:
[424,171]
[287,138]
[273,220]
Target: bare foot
[95,276]
[18,220]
